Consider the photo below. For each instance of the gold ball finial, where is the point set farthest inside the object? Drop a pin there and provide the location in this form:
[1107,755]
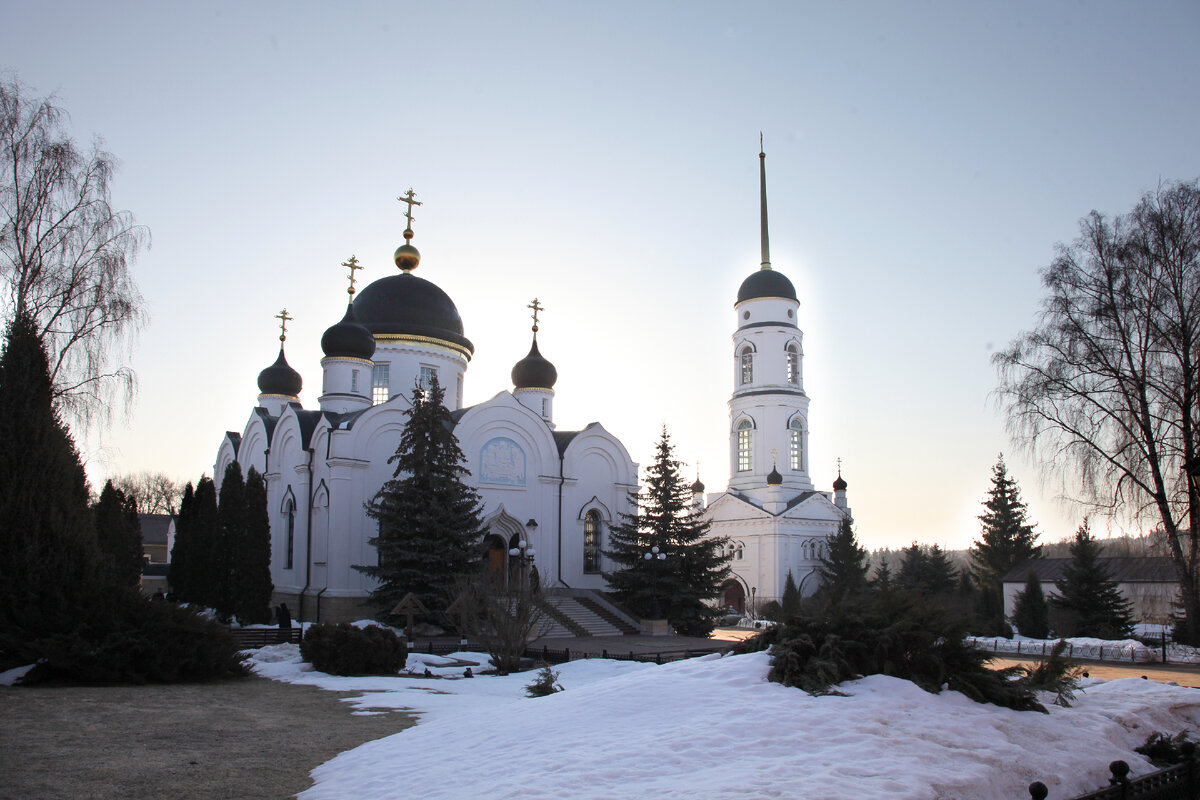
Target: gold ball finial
[407,256]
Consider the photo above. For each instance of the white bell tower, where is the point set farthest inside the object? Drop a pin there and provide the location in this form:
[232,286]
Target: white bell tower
[768,411]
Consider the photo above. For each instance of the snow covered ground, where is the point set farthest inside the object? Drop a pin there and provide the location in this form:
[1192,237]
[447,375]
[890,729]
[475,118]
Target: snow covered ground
[712,727]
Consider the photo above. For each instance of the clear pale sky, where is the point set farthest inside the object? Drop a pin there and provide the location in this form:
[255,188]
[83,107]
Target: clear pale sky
[923,160]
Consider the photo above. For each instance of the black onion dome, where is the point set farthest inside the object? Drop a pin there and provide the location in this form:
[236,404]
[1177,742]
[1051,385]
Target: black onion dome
[839,485]
[533,371]
[405,305]
[766,283]
[348,339]
[279,378]
[697,487]
[774,478]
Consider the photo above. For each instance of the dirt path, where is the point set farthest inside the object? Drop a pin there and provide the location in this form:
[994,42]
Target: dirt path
[251,738]
[1183,675]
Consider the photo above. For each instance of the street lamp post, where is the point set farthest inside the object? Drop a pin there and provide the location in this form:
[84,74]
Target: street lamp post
[524,553]
[650,556]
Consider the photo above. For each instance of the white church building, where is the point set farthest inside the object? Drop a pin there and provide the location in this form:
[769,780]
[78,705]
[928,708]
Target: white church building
[557,491]
[773,515]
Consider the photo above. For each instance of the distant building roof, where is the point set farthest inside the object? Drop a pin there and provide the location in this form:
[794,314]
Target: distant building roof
[154,527]
[1121,569]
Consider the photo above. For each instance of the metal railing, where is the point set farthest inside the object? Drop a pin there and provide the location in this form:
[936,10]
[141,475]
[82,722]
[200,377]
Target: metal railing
[1180,782]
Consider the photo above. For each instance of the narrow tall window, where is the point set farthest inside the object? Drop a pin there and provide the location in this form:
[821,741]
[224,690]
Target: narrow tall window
[744,445]
[354,381]
[291,537]
[380,384]
[747,366]
[591,542]
[427,376]
[793,367]
[796,444]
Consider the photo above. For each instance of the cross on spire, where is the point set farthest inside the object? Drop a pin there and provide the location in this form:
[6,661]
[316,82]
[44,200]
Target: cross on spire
[774,458]
[284,318]
[408,197]
[839,468]
[536,306]
[353,265]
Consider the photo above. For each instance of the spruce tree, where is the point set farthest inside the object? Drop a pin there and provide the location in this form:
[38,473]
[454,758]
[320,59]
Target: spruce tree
[940,576]
[882,581]
[790,601]
[1031,615]
[843,570]
[231,514]
[914,567]
[252,569]
[429,526]
[1087,590]
[679,586]
[180,572]
[119,534]
[1007,539]
[48,557]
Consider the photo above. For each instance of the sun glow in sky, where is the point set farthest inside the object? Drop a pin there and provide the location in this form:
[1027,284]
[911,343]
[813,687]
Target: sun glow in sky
[923,160]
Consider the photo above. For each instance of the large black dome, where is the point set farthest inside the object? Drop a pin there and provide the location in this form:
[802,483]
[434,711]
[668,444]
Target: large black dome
[405,305]
[766,283]
[280,378]
[534,372]
[348,339]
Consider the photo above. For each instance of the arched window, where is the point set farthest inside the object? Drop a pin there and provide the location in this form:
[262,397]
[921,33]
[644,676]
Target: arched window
[745,445]
[796,444]
[747,362]
[591,542]
[793,364]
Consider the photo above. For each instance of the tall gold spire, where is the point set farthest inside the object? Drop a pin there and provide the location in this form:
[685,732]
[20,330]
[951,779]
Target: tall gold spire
[536,306]
[762,182]
[408,257]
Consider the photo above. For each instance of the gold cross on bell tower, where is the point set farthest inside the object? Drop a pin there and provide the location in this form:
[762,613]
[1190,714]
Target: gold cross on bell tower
[284,318]
[353,265]
[408,197]
[536,306]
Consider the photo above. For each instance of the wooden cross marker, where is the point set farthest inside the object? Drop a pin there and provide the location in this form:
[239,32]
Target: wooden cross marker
[284,319]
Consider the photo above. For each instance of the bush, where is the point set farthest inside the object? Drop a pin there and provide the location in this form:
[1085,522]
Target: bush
[126,638]
[546,683]
[343,649]
[1165,751]
[771,610]
[906,638]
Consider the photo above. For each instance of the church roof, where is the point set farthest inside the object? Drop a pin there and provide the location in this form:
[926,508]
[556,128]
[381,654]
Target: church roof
[308,423]
[235,439]
[766,283]
[280,378]
[1121,569]
[348,338]
[405,305]
[534,371]
[563,439]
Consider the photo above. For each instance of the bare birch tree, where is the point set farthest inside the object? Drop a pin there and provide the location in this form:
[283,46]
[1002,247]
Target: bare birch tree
[1105,390]
[65,254]
[155,492]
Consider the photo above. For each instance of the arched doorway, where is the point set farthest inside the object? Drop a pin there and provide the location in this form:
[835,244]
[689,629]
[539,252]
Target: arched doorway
[495,556]
[734,595]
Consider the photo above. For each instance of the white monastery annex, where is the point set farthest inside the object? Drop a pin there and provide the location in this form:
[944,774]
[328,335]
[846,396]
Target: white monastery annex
[558,491]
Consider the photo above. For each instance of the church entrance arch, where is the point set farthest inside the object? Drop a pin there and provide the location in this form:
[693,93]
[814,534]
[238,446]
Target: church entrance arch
[502,528]
[734,595]
[495,555]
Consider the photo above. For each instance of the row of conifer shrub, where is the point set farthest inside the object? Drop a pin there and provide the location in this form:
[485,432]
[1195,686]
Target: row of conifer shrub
[343,649]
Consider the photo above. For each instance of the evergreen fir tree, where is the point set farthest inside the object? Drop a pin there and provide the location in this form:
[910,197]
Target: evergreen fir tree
[790,601]
[252,569]
[679,586]
[882,581]
[48,557]
[914,568]
[429,526]
[940,575]
[205,546]
[1031,615]
[231,515]
[1007,536]
[1087,590]
[119,534]
[843,569]
[180,571]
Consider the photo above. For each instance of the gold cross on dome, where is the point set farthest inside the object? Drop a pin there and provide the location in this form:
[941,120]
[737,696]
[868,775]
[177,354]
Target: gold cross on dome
[353,264]
[774,457]
[407,197]
[284,318]
[536,306]
[839,467]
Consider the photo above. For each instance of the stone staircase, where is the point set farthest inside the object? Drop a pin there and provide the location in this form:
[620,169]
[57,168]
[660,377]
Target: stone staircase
[584,617]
